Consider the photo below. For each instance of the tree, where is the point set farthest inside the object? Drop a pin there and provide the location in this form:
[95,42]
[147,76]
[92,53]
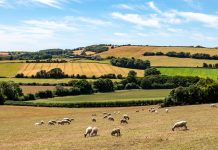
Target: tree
[151,71]
[84,86]
[104,85]
[10,90]
[2,98]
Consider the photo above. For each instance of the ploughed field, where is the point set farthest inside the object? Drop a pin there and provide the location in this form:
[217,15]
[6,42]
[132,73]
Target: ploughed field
[121,95]
[144,130]
[138,51]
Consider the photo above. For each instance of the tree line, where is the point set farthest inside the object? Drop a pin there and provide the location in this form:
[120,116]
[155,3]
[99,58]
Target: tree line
[183,55]
[130,63]
[205,65]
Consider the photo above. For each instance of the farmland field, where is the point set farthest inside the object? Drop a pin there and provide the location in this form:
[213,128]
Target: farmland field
[123,95]
[88,69]
[200,72]
[34,89]
[144,130]
[9,69]
[138,51]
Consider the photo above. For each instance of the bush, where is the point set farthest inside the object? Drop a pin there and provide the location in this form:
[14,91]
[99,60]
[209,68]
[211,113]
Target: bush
[103,85]
[19,75]
[84,86]
[44,94]
[2,98]
[151,71]
[29,97]
[10,90]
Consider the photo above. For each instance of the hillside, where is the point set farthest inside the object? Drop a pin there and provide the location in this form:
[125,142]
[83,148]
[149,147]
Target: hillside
[138,51]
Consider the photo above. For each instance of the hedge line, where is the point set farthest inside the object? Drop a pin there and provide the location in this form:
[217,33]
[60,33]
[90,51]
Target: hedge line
[88,104]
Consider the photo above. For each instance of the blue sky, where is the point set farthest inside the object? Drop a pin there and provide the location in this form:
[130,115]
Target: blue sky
[40,24]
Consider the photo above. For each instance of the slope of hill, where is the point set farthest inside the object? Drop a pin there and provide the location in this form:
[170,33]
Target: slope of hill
[138,51]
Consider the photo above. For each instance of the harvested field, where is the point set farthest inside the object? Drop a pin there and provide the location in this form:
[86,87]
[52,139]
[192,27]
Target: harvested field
[88,69]
[34,89]
[144,131]
[138,51]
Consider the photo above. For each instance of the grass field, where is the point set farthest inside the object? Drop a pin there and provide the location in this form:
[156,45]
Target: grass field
[200,72]
[88,69]
[9,69]
[144,131]
[138,51]
[124,95]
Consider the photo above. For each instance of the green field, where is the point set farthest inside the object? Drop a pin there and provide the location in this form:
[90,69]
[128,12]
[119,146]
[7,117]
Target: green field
[9,69]
[200,72]
[124,95]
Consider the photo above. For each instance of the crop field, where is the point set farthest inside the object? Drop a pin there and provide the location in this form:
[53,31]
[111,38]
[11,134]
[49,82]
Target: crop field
[88,69]
[138,51]
[122,95]
[9,69]
[34,89]
[144,131]
[200,72]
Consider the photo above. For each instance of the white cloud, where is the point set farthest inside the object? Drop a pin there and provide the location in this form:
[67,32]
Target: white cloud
[125,6]
[202,37]
[154,7]
[120,34]
[136,19]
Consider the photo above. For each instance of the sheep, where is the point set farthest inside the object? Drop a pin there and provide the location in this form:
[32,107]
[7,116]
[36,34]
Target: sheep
[105,116]
[68,119]
[110,118]
[213,105]
[115,131]
[40,123]
[94,131]
[93,120]
[88,131]
[125,116]
[63,122]
[166,110]
[123,121]
[180,124]
[51,122]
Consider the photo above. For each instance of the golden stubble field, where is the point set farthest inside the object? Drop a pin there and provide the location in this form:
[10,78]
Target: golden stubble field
[88,69]
[144,131]
[138,51]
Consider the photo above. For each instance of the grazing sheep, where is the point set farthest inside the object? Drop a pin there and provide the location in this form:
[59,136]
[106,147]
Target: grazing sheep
[116,132]
[167,110]
[110,118]
[122,121]
[94,131]
[88,131]
[40,123]
[180,124]
[125,116]
[51,123]
[93,120]
[63,122]
[68,119]
[105,116]
[213,105]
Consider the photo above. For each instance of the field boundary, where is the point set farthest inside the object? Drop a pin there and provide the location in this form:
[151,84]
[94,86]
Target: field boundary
[88,104]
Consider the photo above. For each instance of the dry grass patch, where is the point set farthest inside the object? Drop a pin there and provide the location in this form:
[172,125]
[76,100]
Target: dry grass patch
[144,131]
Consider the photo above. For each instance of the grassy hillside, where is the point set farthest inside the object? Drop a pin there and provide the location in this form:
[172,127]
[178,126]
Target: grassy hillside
[138,51]
[144,130]
[200,72]
[124,95]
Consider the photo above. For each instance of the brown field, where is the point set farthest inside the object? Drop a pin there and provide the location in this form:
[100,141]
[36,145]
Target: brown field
[138,51]
[78,52]
[88,69]
[34,89]
[144,131]
[4,53]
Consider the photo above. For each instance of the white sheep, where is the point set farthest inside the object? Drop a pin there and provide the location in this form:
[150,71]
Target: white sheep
[40,123]
[63,122]
[94,131]
[125,116]
[123,121]
[116,132]
[110,118]
[68,119]
[166,110]
[213,105]
[180,124]
[88,131]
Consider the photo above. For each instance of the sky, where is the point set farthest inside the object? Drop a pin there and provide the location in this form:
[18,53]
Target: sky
[32,25]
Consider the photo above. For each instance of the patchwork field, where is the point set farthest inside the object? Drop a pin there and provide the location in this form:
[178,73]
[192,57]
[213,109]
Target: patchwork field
[144,131]
[200,72]
[138,51]
[88,69]
[123,95]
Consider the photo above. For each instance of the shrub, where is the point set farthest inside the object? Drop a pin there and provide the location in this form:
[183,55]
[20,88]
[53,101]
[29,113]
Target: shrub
[151,71]
[103,85]
[29,97]
[44,94]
